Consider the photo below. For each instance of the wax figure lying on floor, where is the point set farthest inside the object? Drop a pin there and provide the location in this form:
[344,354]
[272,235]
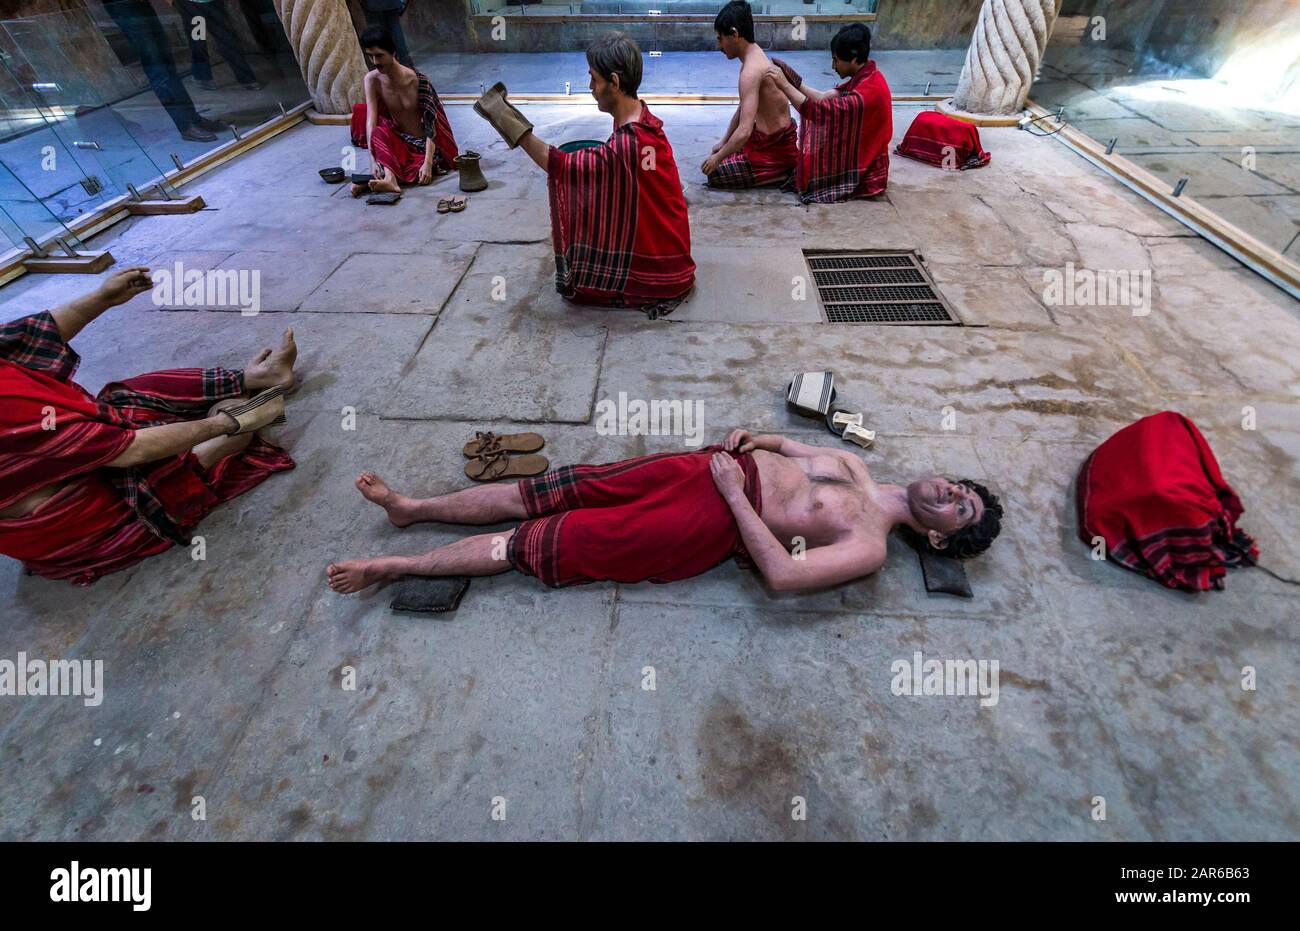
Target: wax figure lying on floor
[806,516]
[844,133]
[93,484]
[761,143]
[618,215]
[402,122]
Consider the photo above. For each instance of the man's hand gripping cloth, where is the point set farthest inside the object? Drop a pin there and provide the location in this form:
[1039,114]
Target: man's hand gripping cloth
[844,140]
[402,152]
[619,226]
[655,518]
[53,431]
[765,158]
[944,141]
[1155,494]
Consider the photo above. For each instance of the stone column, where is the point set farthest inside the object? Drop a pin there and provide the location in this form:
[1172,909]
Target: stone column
[326,47]
[1003,59]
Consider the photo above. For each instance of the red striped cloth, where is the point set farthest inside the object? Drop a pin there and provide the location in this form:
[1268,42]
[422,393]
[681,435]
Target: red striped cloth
[53,431]
[1155,494]
[619,226]
[844,140]
[402,152]
[944,141]
[766,158]
[655,518]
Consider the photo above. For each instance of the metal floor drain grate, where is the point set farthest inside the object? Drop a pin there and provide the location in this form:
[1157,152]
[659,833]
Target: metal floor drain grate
[877,287]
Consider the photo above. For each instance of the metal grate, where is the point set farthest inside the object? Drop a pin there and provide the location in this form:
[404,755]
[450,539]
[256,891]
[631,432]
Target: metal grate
[877,287]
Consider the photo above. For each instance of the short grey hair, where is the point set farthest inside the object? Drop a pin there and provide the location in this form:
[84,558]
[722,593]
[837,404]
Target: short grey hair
[616,53]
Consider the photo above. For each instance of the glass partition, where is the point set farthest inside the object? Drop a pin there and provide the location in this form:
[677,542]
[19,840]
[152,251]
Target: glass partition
[101,100]
[1205,95]
[26,216]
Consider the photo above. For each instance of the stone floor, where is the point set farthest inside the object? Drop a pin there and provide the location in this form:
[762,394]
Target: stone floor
[223,676]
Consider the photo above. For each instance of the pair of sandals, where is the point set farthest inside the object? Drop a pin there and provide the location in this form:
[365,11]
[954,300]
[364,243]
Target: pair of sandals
[453,204]
[511,455]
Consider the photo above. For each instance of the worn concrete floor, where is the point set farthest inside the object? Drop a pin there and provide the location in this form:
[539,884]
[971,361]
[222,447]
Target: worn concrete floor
[223,677]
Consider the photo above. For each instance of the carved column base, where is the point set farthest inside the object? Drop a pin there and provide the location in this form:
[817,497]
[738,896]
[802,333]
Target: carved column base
[947,108]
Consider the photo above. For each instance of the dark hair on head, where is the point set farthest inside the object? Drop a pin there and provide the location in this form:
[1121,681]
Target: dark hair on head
[975,538]
[616,53]
[735,15]
[852,43]
[378,37]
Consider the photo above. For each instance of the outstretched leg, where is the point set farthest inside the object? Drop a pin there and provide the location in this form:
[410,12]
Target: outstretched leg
[478,555]
[484,504]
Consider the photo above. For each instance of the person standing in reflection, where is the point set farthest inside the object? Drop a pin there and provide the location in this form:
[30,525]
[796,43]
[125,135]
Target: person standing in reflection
[145,34]
[207,18]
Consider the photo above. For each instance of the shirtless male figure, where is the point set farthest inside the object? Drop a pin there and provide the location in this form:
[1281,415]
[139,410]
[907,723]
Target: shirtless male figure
[402,122]
[761,144]
[806,516]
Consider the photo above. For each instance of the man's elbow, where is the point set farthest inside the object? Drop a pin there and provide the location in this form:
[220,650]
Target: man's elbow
[785,579]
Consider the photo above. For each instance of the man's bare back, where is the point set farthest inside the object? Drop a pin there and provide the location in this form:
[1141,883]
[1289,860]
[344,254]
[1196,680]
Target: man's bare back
[773,114]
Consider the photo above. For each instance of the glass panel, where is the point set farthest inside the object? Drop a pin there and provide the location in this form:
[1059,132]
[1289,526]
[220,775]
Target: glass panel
[95,101]
[1210,94]
[546,53]
[26,215]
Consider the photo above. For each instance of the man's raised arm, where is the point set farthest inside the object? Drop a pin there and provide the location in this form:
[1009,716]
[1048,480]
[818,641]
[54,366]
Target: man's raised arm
[796,95]
[117,288]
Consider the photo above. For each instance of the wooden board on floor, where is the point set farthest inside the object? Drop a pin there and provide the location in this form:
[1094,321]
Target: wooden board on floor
[88,263]
[155,208]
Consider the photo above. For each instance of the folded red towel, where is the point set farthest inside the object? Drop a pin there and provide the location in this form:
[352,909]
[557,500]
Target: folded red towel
[938,139]
[1155,494]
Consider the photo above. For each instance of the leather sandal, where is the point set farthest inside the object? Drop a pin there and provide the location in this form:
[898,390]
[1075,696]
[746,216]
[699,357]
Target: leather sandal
[491,466]
[490,442]
[264,409]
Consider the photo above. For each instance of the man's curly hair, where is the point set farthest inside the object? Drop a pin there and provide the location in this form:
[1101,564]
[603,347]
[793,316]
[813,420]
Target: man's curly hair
[975,538]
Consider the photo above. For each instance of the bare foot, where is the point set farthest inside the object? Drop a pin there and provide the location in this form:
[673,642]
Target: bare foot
[385,184]
[399,507]
[272,367]
[359,189]
[356,574]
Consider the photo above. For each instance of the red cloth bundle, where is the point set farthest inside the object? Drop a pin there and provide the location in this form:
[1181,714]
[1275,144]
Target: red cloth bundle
[944,141]
[1155,494]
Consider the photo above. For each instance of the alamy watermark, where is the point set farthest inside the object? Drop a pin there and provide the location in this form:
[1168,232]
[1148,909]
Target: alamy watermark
[24,677]
[637,417]
[103,884]
[921,676]
[179,286]
[1087,287]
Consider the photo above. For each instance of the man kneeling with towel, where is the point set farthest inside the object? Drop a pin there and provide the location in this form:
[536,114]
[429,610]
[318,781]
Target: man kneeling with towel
[618,215]
[844,138]
[807,516]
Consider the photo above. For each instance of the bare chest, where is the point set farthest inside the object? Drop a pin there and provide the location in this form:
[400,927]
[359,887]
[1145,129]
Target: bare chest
[401,102]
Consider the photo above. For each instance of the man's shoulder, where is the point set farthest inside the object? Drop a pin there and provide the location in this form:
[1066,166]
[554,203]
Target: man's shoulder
[754,63]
